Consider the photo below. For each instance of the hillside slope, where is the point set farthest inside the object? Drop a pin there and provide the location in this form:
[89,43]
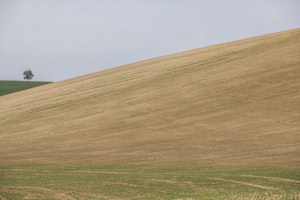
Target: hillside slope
[236,103]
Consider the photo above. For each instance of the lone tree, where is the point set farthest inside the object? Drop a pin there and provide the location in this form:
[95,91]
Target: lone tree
[28,74]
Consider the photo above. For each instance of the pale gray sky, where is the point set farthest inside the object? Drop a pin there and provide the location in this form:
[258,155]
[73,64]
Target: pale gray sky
[61,39]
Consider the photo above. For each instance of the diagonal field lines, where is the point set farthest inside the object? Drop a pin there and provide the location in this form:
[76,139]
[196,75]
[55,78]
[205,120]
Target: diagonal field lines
[220,122]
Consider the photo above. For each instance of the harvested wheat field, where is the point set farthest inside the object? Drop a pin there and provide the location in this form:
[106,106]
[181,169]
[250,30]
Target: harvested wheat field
[220,122]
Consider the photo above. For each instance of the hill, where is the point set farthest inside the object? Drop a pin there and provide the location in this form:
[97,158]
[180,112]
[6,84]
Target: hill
[220,122]
[7,87]
[230,104]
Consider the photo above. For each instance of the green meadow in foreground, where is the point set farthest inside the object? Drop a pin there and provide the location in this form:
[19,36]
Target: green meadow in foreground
[7,87]
[33,181]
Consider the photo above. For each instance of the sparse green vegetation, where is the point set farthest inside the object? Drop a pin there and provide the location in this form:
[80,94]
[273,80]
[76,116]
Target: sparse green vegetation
[145,182]
[7,87]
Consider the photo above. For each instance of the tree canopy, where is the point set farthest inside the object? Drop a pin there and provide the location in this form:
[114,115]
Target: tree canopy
[27,74]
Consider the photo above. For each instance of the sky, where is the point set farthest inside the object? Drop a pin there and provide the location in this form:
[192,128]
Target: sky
[61,39]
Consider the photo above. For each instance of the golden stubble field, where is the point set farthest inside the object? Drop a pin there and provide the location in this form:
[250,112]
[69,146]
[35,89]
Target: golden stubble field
[233,104]
[221,122]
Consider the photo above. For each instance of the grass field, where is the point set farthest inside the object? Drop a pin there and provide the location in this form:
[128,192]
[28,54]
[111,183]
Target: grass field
[7,87]
[32,181]
[220,122]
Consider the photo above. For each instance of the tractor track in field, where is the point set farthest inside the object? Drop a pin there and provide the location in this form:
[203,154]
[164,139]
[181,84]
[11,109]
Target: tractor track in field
[267,196]
[245,183]
[272,178]
[55,193]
